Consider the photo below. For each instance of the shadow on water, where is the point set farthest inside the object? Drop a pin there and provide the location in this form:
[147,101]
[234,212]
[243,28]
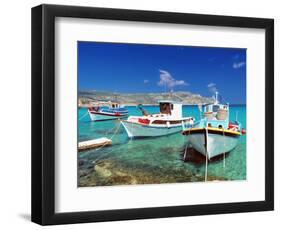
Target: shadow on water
[194,157]
[111,132]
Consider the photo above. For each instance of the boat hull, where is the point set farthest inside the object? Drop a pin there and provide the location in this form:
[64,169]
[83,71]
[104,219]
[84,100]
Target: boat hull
[104,117]
[136,130]
[212,144]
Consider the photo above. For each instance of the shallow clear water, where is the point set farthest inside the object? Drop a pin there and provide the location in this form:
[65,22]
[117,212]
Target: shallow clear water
[152,160]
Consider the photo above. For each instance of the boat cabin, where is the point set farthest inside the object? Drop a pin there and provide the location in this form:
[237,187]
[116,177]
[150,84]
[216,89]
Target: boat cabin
[114,105]
[215,115]
[216,111]
[106,106]
[174,109]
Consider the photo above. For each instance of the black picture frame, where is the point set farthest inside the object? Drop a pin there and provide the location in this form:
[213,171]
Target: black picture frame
[43,114]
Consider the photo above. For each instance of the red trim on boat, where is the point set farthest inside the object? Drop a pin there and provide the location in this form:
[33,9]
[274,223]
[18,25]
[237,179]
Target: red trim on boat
[107,114]
[144,121]
[232,125]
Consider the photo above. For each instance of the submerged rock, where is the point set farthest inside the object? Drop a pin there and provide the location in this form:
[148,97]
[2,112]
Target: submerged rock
[81,162]
[82,173]
[109,172]
[102,169]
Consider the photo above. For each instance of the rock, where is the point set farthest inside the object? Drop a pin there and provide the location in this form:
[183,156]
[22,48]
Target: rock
[102,170]
[81,162]
[82,173]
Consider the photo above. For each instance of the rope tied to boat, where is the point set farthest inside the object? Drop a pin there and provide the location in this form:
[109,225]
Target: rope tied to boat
[115,132]
[84,115]
[224,148]
[206,154]
[187,144]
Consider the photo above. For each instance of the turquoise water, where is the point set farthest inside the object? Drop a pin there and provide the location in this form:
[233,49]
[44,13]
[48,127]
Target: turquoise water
[152,160]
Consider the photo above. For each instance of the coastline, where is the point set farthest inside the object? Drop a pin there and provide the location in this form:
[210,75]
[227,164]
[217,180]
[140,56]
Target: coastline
[88,105]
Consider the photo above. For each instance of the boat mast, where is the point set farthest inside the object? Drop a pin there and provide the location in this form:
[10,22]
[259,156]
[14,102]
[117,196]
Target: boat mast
[216,97]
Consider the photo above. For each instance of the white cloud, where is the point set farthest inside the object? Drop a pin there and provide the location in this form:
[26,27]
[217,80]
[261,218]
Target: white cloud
[167,80]
[145,81]
[237,65]
[212,87]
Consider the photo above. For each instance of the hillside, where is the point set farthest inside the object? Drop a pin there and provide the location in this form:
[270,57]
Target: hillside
[88,96]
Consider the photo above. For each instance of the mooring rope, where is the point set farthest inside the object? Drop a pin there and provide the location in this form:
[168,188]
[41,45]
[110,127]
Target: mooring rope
[224,148]
[206,153]
[115,132]
[185,152]
[83,116]
[187,144]
[107,154]
[109,131]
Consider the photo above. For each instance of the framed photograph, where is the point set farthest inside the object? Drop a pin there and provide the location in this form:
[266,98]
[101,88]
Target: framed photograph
[141,114]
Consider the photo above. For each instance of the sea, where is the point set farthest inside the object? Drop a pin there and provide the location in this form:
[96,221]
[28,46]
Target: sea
[153,160]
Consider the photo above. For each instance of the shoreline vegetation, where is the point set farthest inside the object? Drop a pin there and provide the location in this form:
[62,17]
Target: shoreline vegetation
[88,98]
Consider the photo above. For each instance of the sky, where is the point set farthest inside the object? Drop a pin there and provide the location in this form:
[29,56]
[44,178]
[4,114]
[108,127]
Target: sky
[139,68]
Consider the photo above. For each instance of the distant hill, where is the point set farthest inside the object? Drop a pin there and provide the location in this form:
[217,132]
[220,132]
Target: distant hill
[87,96]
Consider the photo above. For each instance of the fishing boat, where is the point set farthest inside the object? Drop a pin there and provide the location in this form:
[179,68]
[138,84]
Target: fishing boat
[111,111]
[168,121]
[214,134]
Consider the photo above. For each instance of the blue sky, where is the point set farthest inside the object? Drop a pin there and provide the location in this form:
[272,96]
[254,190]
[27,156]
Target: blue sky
[138,68]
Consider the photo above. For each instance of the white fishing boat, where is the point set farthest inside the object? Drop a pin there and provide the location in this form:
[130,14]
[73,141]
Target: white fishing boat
[168,121]
[214,134]
[107,111]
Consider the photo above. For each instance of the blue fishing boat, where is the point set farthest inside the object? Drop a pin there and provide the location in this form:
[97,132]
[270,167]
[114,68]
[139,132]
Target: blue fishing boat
[111,111]
[214,134]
